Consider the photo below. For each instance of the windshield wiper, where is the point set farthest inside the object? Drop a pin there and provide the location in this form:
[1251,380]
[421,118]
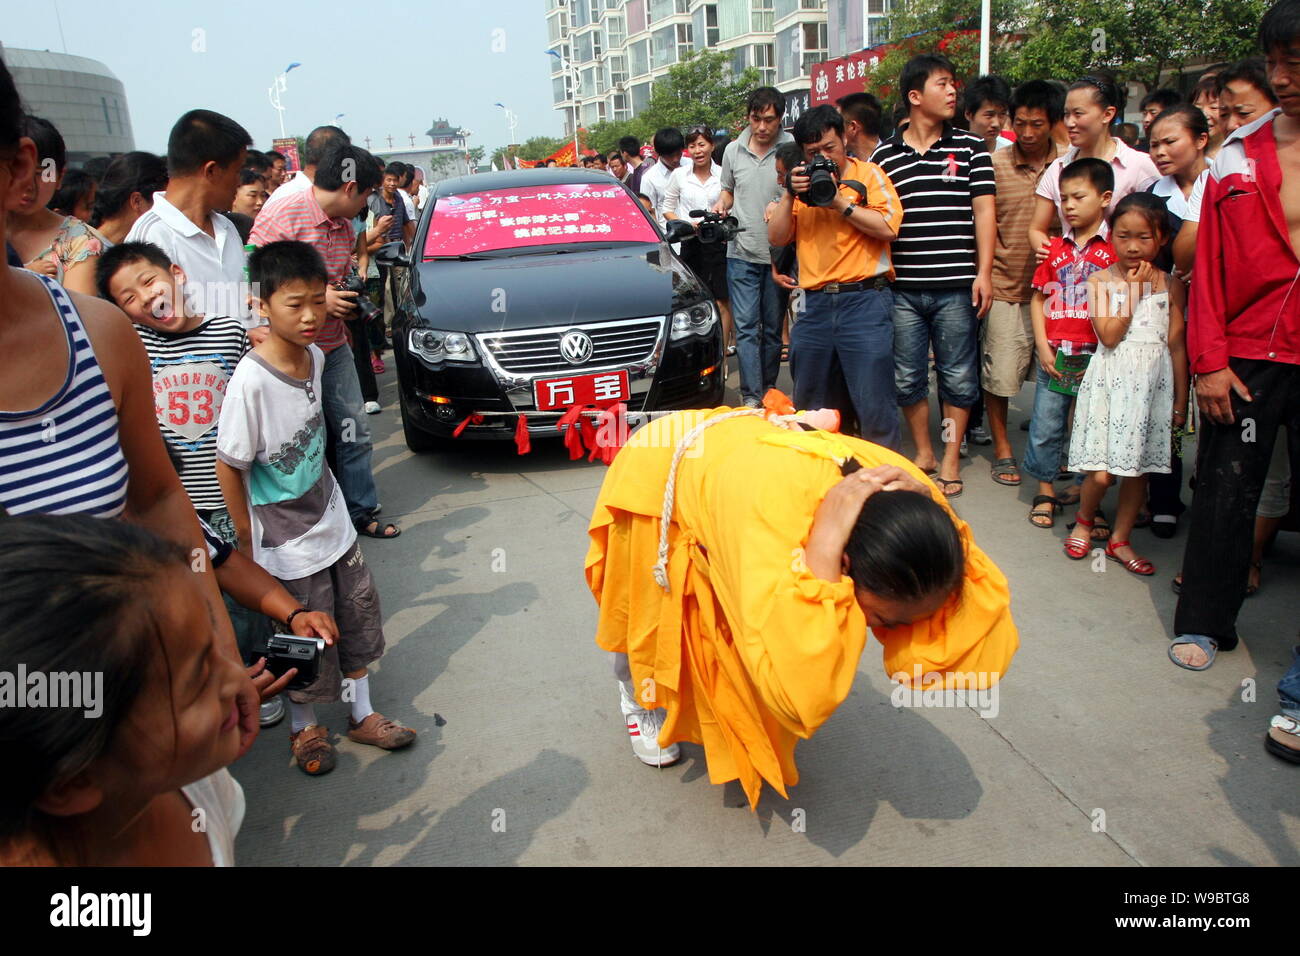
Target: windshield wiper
[464,258]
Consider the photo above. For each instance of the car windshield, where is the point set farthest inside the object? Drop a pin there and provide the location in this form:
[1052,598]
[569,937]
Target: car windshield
[528,216]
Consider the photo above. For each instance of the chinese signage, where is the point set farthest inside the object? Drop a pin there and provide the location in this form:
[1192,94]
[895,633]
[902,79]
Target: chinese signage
[535,216]
[840,77]
[288,148]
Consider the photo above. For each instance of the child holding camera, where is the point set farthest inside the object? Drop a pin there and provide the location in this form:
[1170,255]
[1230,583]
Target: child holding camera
[288,509]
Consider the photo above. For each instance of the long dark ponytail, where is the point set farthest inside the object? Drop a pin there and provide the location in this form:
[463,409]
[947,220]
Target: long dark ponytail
[905,547]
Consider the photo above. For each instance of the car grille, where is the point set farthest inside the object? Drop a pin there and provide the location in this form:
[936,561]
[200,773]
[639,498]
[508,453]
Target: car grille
[537,351]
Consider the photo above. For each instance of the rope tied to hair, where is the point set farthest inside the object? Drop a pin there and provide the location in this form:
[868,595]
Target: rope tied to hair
[660,569]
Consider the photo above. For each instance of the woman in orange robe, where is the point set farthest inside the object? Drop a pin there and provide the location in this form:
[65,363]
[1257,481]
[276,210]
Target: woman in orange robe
[756,637]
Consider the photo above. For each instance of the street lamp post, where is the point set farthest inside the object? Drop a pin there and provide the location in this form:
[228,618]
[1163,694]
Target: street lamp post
[566,65]
[278,86]
[984,37]
[511,121]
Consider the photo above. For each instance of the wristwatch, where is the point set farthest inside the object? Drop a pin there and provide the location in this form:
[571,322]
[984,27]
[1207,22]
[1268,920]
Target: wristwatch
[848,211]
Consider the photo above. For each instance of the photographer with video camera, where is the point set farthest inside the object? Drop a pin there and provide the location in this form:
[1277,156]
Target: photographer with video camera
[842,213]
[691,194]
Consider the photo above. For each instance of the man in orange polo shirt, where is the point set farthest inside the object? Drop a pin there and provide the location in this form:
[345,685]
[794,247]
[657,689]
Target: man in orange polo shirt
[845,272]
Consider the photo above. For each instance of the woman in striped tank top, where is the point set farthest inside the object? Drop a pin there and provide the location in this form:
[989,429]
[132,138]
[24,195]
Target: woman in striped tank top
[77,426]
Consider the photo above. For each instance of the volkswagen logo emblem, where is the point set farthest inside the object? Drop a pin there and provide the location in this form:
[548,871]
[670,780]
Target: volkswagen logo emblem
[576,347]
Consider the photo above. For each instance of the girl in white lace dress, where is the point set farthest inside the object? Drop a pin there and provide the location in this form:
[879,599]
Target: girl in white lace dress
[1135,388]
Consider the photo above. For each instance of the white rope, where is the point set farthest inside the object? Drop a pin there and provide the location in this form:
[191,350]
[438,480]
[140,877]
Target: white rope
[670,490]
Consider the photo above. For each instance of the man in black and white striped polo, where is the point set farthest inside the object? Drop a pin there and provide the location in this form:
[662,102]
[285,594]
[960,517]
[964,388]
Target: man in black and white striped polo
[943,259]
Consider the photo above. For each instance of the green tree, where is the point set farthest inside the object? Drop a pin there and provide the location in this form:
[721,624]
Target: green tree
[475,155]
[700,90]
[604,136]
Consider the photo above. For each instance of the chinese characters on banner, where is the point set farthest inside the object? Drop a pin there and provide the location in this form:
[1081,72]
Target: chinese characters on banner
[840,77]
[535,216]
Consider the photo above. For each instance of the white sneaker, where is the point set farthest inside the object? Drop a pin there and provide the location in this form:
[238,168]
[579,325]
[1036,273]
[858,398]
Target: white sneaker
[643,728]
[272,712]
[373,408]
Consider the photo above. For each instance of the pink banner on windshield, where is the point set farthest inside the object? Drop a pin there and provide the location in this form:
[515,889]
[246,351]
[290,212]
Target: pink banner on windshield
[535,216]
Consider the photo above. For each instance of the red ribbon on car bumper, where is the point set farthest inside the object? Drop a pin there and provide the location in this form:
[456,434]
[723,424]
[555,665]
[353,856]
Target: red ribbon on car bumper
[474,418]
[522,441]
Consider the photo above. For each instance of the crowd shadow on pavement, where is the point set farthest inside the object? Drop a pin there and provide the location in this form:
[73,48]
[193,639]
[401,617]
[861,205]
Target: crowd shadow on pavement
[869,753]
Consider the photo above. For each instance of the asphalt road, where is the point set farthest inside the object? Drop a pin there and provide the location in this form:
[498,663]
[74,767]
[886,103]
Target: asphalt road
[1101,752]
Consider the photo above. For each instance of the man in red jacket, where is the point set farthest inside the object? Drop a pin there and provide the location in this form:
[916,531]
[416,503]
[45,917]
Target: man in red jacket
[1243,335]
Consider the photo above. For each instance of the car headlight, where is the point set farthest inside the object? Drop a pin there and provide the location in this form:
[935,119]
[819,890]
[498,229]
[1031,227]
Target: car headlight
[434,345]
[697,319]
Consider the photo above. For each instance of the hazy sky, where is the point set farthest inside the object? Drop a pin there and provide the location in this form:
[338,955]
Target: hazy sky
[392,69]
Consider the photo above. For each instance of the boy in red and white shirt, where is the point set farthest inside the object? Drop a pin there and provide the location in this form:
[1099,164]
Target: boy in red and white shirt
[1061,317]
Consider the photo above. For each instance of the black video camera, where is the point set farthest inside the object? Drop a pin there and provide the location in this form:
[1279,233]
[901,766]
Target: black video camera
[821,173]
[366,310]
[284,651]
[715,227]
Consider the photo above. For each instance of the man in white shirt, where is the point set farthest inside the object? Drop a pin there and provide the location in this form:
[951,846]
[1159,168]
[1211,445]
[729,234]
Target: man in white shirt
[205,153]
[669,145]
[318,140]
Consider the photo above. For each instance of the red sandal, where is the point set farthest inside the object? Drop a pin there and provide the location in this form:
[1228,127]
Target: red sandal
[1079,548]
[1139,566]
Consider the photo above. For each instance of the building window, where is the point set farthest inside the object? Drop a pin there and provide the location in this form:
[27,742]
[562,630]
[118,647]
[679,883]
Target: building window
[640,97]
[639,57]
[581,15]
[761,17]
[636,21]
[553,28]
[560,89]
[878,6]
[616,67]
[877,31]
[704,25]
[615,36]
[733,18]
[665,47]
[660,9]
[584,47]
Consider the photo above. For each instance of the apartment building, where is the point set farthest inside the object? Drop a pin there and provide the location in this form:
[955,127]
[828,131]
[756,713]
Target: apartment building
[614,50]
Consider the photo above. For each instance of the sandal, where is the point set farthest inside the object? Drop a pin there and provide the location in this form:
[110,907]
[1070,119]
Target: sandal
[1139,565]
[1077,548]
[1286,725]
[945,482]
[1050,515]
[1207,644]
[1100,526]
[371,529]
[312,750]
[1003,467]
[785,353]
[1069,497]
[1176,585]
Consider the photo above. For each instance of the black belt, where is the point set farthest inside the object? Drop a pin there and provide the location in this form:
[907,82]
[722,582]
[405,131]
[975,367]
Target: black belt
[879,284]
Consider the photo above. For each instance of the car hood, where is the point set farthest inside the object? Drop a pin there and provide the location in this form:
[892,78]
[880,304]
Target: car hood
[519,292]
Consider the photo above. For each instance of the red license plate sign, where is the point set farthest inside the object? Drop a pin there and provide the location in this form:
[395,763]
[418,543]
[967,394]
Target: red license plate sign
[602,389]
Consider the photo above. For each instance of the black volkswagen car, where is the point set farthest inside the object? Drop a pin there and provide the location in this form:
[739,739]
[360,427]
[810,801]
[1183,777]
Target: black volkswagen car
[532,291]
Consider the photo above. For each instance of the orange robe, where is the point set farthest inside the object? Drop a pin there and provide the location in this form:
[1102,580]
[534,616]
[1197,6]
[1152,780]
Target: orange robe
[749,651]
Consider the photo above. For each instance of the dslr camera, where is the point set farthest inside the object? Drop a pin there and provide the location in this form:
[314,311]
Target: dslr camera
[366,309]
[284,651]
[715,227]
[821,173]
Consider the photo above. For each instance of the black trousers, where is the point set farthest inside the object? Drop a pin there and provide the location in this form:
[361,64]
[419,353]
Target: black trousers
[1231,464]
[1164,492]
[361,357]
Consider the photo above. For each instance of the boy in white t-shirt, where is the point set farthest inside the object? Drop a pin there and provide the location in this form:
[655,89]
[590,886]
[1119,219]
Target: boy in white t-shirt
[286,505]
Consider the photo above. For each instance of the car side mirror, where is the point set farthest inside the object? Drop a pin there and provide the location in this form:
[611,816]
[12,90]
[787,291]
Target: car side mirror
[679,229]
[392,254]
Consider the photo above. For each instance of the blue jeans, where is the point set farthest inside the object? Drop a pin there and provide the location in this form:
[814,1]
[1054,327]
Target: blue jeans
[945,319]
[350,430]
[1047,427]
[756,315]
[859,328]
[1288,688]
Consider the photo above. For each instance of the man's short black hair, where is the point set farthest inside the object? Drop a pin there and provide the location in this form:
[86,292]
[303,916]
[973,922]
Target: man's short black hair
[669,141]
[48,140]
[812,124]
[1039,95]
[123,254]
[629,146]
[396,169]
[319,140]
[249,175]
[862,108]
[256,159]
[1096,171]
[1161,98]
[918,70]
[202,136]
[1280,28]
[344,163]
[273,154]
[276,264]
[790,155]
[762,98]
[1250,70]
[985,89]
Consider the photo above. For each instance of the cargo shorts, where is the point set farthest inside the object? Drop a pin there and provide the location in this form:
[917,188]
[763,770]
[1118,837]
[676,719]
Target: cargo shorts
[1007,348]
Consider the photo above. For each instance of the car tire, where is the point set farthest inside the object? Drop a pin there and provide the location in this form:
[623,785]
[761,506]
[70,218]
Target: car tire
[419,441]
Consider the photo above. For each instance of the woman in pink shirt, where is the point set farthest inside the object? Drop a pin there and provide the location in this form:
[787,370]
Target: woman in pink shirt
[1091,105]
